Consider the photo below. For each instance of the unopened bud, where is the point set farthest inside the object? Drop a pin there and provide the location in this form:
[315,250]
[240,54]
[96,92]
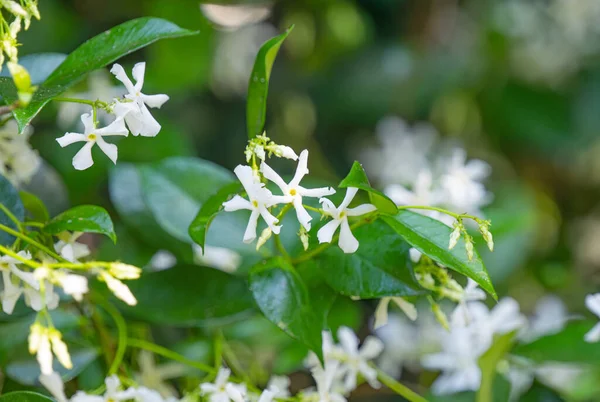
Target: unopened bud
[487,235]
[454,236]
[22,81]
[283,151]
[264,236]
[60,348]
[440,316]
[124,271]
[14,8]
[303,234]
[469,248]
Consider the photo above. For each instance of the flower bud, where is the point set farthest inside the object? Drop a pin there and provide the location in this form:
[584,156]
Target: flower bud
[283,151]
[469,248]
[454,236]
[60,348]
[14,8]
[303,234]
[22,81]
[264,236]
[487,236]
[124,271]
[118,288]
[440,316]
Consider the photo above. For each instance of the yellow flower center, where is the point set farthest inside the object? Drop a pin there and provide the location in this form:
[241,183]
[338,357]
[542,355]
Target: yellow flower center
[255,204]
[342,214]
[293,192]
[91,137]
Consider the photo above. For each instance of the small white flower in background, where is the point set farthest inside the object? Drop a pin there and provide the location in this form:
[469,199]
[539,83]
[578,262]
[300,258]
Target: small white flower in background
[232,17]
[220,258]
[155,376]
[592,302]
[119,289]
[222,390]
[458,362]
[294,190]
[92,135]
[267,396]
[259,200]
[462,182]
[70,249]
[399,143]
[354,360]
[72,284]
[54,384]
[43,342]
[134,110]
[549,317]
[18,161]
[381,313]
[113,393]
[12,287]
[326,383]
[347,241]
[280,386]
[470,293]
[162,260]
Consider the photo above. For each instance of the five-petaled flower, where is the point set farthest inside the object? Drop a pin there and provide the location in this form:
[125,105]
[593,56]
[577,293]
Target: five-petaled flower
[134,107]
[92,135]
[347,242]
[294,190]
[222,390]
[260,199]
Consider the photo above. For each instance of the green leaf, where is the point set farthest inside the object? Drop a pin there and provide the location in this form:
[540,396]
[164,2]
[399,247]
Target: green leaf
[431,237]
[199,227]
[34,206]
[380,267]
[283,298]
[27,371]
[187,295]
[84,218]
[565,346]
[24,396]
[358,178]
[258,87]
[488,363]
[9,197]
[125,190]
[96,53]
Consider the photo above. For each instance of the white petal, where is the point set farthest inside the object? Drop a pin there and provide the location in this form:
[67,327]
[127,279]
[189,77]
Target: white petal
[138,75]
[593,334]
[246,177]
[88,123]
[155,100]
[119,289]
[315,192]
[44,355]
[371,348]
[112,384]
[361,210]
[381,313]
[27,277]
[234,393]
[301,169]
[83,159]
[593,303]
[477,169]
[81,396]
[74,285]
[347,242]
[54,384]
[61,352]
[303,216]
[325,234]
[350,193]
[399,194]
[109,150]
[10,294]
[117,127]
[119,72]
[370,374]
[273,176]
[33,299]
[70,138]
[237,203]
[267,396]
[408,308]
[269,219]
[348,340]
[250,233]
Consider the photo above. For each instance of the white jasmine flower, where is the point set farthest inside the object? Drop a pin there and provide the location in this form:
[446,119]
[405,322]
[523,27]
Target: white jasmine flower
[162,260]
[347,242]
[222,390]
[11,278]
[266,396]
[43,342]
[113,393]
[470,293]
[18,161]
[92,135]
[135,113]
[462,182]
[217,257]
[54,384]
[280,386]
[354,360]
[458,362]
[260,199]
[325,379]
[70,249]
[592,301]
[381,313]
[118,288]
[549,317]
[43,295]
[294,190]
[72,284]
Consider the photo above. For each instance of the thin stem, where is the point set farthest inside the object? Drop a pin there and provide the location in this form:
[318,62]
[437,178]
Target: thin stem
[75,100]
[161,351]
[10,215]
[444,211]
[399,388]
[16,256]
[74,265]
[31,241]
[122,336]
[34,224]
[280,247]
[319,210]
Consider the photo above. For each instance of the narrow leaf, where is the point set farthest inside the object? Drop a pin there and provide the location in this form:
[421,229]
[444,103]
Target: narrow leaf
[258,87]
[24,396]
[35,207]
[84,218]
[358,178]
[430,237]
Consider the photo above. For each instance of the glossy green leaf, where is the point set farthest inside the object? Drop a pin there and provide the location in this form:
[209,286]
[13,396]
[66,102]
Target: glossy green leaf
[282,296]
[565,346]
[209,210]
[96,53]
[189,295]
[34,207]
[431,237]
[24,396]
[9,197]
[258,87]
[27,371]
[83,218]
[125,190]
[380,267]
[358,178]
